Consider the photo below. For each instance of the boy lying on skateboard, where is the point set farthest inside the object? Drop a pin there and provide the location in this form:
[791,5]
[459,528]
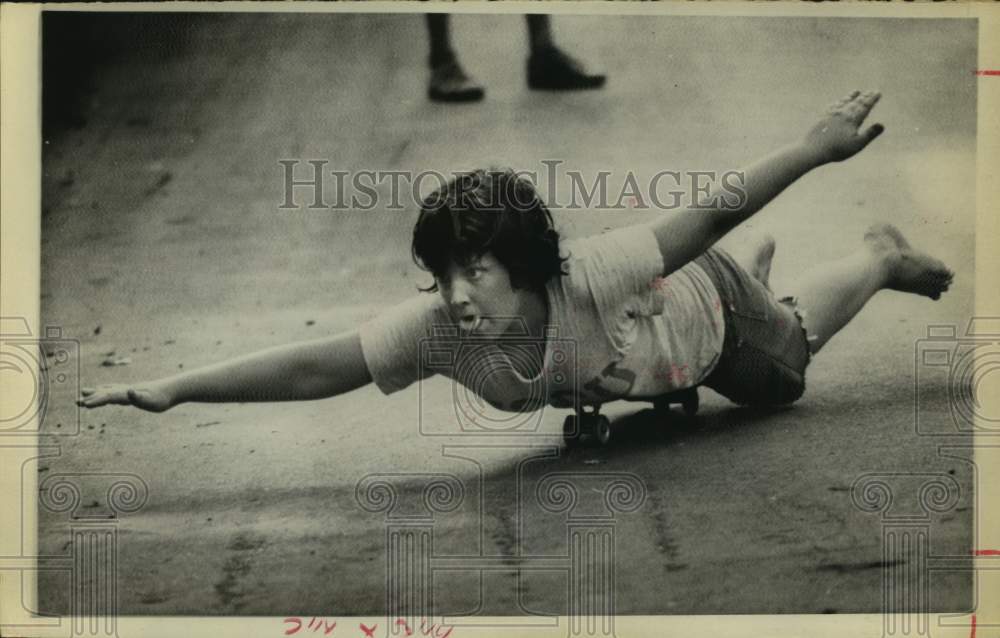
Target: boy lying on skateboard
[501,271]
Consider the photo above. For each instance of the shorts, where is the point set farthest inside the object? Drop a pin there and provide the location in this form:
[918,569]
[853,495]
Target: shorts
[765,350]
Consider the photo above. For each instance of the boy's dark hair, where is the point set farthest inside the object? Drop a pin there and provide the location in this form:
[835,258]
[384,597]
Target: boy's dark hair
[495,211]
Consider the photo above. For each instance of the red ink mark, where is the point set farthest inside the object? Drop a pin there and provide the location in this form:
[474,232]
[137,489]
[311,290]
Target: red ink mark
[315,624]
[988,72]
[406,627]
[369,631]
[972,634]
[632,202]
[675,373]
[434,629]
[660,283]
[986,552]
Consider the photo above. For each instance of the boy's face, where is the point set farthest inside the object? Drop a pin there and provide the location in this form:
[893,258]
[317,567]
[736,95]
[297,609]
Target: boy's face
[480,296]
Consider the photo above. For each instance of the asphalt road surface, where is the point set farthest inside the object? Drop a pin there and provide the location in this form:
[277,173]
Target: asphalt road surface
[163,243]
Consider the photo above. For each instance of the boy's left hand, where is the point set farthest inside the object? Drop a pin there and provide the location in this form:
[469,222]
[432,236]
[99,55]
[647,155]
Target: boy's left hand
[838,136]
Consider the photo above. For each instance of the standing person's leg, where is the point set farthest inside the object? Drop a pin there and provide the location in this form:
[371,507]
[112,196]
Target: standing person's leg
[449,82]
[548,67]
[539,31]
[439,31]
[833,294]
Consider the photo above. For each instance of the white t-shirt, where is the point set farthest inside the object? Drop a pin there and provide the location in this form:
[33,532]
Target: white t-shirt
[616,329]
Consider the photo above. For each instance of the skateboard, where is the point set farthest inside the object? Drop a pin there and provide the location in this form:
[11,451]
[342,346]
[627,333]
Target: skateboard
[589,428]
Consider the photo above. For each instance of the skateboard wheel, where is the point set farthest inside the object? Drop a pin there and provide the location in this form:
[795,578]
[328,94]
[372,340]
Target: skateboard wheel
[571,435]
[687,399]
[595,430]
[602,430]
[690,404]
[591,430]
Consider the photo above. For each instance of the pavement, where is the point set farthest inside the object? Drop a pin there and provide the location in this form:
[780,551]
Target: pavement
[163,242]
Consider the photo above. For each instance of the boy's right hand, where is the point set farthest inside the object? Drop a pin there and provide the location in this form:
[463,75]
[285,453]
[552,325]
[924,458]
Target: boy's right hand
[146,396]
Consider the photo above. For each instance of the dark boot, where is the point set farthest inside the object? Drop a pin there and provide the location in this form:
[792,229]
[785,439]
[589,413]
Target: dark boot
[549,69]
[449,83]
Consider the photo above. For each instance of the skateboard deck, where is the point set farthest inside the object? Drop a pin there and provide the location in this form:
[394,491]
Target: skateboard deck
[588,427]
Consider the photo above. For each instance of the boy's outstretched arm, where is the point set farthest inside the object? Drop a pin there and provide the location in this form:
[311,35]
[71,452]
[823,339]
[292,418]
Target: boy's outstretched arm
[295,372]
[684,235]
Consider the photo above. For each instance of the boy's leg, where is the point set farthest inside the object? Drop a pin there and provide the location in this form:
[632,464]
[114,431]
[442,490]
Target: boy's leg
[449,83]
[756,258]
[831,295]
[548,67]
[764,352]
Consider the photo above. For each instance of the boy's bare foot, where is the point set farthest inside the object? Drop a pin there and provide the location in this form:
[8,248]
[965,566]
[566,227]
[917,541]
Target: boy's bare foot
[763,253]
[909,270]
